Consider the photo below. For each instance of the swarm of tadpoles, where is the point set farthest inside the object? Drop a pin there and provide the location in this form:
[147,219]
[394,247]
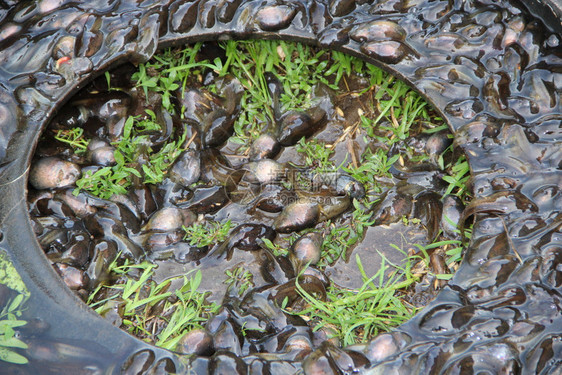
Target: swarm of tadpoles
[84,228]
[118,176]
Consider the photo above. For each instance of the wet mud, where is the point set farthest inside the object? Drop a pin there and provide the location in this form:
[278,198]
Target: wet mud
[491,69]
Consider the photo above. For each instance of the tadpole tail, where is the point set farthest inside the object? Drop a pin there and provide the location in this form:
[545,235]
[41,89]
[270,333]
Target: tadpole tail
[274,88]
[218,251]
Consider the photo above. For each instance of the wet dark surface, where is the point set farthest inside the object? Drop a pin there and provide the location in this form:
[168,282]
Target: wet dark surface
[492,70]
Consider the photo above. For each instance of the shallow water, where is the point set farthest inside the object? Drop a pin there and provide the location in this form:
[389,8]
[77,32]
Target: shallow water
[492,70]
[244,189]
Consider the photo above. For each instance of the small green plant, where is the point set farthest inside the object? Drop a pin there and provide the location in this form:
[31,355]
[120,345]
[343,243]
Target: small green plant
[139,297]
[357,315]
[145,80]
[11,312]
[165,73]
[207,233]
[400,106]
[145,124]
[317,155]
[453,248]
[410,220]
[457,180]
[133,157]
[108,83]
[343,65]
[189,312]
[240,279]
[154,169]
[276,250]
[75,138]
[339,240]
[107,181]
[374,165]
[8,340]
[336,243]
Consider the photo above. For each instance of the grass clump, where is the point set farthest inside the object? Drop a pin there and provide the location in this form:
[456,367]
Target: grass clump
[107,181]
[317,155]
[458,178]
[276,250]
[11,312]
[240,279]
[75,138]
[133,158]
[356,315]
[149,310]
[207,233]
[339,239]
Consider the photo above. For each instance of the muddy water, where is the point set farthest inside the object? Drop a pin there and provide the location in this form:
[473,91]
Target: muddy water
[491,68]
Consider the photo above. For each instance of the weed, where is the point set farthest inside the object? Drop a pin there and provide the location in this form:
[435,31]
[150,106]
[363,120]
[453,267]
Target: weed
[132,148]
[11,312]
[460,173]
[8,339]
[107,181]
[453,248]
[410,221]
[336,242]
[240,279]
[75,138]
[340,239]
[108,82]
[245,329]
[145,124]
[276,250]
[343,64]
[374,164]
[207,233]
[402,106]
[166,72]
[189,312]
[317,155]
[138,297]
[357,315]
